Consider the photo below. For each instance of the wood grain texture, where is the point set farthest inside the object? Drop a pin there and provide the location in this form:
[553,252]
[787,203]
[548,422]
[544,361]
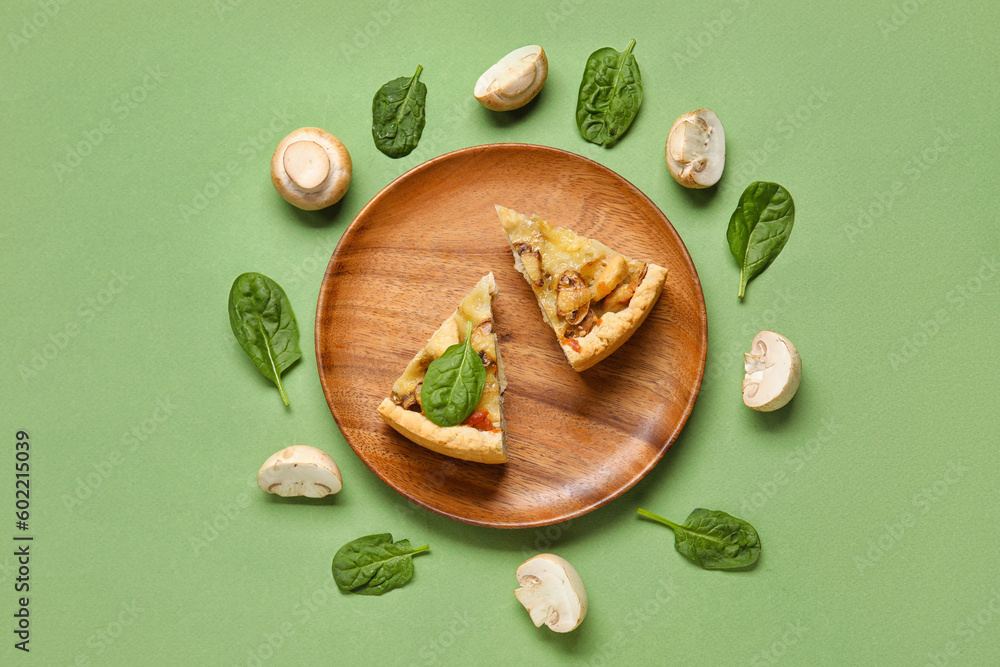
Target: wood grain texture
[575,440]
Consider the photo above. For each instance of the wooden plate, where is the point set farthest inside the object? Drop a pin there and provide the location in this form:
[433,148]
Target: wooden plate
[575,440]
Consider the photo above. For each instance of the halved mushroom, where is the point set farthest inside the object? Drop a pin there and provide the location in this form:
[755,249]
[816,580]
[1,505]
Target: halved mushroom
[773,371]
[300,470]
[610,273]
[620,298]
[514,81]
[416,395]
[572,297]
[580,330]
[696,149]
[311,169]
[531,260]
[482,336]
[552,592]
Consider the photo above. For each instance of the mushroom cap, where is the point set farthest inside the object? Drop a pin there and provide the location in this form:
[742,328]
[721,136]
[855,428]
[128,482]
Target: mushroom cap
[773,372]
[300,470]
[514,80]
[552,592]
[311,169]
[696,149]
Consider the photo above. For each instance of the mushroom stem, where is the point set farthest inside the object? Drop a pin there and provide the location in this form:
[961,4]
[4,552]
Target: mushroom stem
[307,164]
[688,142]
[544,616]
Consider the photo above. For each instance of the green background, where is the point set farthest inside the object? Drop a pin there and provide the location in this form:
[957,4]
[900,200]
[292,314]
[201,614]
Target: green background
[136,142]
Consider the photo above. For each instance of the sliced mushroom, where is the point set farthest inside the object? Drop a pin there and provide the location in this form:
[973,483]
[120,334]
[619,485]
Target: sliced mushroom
[409,402]
[514,81]
[532,261]
[696,149]
[572,297]
[481,338]
[609,275]
[552,592]
[482,332]
[585,326]
[300,470]
[773,371]
[620,298]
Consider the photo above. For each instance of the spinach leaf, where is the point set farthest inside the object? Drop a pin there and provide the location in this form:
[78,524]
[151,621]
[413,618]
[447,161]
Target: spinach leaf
[453,384]
[398,115]
[264,325]
[374,564]
[759,228]
[610,95]
[713,539]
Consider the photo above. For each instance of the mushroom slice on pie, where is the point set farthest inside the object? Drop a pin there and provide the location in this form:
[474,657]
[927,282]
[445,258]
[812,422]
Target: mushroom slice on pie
[481,437]
[593,297]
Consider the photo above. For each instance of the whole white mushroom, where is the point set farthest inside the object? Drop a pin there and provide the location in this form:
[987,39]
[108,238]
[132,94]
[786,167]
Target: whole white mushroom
[311,169]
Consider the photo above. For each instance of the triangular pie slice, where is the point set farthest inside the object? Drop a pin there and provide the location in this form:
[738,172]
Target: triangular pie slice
[593,297]
[482,436]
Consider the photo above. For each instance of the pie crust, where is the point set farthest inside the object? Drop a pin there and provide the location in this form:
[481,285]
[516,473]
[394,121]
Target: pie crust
[485,439]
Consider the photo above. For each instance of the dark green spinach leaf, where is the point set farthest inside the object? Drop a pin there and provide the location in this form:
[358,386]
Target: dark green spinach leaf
[713,539]
[374,564]
[759,228]
[610,95]
[264,324]
[398,115]
[453,384]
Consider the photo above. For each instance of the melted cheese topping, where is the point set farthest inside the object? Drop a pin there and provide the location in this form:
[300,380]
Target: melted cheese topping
[561,250]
